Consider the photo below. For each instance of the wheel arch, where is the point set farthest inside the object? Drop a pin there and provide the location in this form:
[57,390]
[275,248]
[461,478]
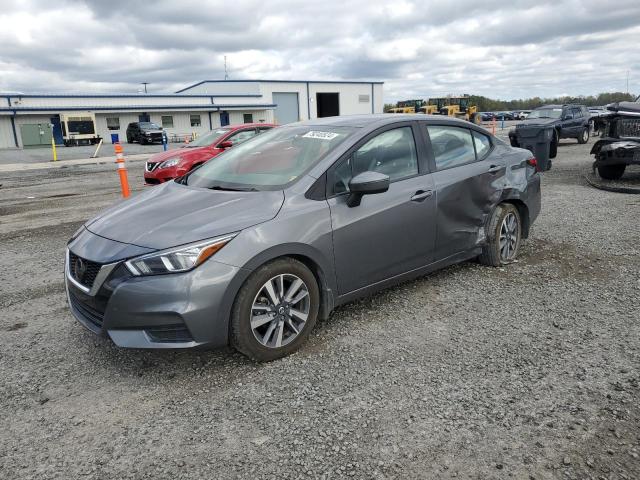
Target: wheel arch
[523,210]
[313,259]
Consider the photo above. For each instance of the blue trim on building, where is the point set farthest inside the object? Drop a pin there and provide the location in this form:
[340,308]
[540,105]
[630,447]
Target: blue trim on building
[133,107]
[15,134]
[277,81]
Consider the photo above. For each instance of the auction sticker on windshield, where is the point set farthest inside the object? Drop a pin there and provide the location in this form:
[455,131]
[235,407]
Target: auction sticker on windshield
[321,135]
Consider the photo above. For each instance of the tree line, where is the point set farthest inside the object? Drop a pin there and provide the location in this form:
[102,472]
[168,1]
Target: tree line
[486,104]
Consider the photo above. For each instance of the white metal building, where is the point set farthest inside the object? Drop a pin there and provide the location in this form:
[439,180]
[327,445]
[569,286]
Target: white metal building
[194,109]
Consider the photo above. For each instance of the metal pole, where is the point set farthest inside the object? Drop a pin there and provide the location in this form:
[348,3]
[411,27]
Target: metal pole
[53,148]
[95,154]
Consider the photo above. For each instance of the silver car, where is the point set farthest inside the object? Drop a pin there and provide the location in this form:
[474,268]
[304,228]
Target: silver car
[253,247]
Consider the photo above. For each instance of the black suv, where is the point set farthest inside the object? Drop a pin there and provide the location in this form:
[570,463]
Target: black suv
[569,121]
[145,132]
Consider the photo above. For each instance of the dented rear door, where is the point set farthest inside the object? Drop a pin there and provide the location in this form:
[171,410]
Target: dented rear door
[468,185]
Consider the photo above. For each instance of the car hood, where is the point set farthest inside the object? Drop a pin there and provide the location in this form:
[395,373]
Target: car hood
[162,156]
[152,130]
[173,214]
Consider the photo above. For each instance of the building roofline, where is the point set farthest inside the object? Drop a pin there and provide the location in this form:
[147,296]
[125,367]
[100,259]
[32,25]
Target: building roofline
[212,108]
[120,95]
[281,81]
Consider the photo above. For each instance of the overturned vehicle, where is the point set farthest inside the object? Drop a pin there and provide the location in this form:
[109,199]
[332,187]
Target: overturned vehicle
[620,143]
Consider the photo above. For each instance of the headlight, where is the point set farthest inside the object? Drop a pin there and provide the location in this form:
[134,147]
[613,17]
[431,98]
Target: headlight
[170,163]
[179,259]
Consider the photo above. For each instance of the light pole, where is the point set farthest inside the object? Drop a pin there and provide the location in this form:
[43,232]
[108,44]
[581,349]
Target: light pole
[145,86]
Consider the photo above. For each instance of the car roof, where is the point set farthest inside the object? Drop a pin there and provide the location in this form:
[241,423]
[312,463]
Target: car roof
[248,125]
[378,119]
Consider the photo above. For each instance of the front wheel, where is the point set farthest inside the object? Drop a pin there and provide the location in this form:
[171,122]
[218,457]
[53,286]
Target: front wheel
[275,310]
[504,234]
[584,136]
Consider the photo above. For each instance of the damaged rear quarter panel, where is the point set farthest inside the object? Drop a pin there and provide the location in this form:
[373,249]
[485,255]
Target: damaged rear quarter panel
[468,194]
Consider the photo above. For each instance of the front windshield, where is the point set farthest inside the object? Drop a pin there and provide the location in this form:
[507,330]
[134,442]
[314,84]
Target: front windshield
[209,138]
[546,113]
[149,126]
[271,160]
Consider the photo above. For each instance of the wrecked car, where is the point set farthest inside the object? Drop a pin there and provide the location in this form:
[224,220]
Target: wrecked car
[620,142]
[283,228]
[568,121]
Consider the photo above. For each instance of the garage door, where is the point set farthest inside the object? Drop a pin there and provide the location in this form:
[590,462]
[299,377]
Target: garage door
[287,107]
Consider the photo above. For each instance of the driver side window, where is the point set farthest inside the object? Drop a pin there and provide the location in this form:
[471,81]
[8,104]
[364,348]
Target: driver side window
[242,136]
[392,153]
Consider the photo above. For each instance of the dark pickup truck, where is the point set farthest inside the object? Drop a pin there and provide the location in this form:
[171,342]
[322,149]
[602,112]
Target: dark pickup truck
[620,142]
[568,121]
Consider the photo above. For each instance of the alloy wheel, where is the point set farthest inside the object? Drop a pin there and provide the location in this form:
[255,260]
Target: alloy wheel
[280,310]
[508,237]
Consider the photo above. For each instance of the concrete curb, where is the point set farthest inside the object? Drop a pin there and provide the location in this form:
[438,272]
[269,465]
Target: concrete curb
[19,167]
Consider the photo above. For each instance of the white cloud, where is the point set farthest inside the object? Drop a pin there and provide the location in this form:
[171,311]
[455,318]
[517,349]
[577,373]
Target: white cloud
[500,49]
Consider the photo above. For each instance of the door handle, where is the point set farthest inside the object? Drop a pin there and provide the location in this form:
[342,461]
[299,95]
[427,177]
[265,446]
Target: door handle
[495,168]
[421,195]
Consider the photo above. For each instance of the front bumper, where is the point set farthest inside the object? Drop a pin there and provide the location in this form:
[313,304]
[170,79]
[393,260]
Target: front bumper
[162,311]
[154,175]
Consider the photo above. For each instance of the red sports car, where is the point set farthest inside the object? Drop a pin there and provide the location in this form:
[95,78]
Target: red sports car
[171,164]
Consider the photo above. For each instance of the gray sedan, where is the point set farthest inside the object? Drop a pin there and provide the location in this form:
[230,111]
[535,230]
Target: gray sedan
[251,249]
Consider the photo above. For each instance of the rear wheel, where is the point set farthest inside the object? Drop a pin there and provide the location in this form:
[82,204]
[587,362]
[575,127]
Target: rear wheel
[275,310]
[612,172]
[584,136]
[504,234]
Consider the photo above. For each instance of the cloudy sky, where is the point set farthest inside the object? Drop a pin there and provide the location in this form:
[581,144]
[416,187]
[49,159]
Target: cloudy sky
[502,49]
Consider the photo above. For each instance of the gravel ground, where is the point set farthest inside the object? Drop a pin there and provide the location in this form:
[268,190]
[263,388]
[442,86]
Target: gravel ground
[526,372]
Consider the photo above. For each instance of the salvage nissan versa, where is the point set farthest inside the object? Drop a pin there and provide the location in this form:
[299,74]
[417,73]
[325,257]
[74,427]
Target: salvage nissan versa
[281,229]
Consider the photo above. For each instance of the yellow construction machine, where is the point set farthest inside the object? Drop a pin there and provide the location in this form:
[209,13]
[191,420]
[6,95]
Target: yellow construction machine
[453,106]
[407,106]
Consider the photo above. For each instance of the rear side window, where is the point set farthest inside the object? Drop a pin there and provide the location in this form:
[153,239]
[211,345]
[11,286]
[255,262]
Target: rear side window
[482,144]
[452,146]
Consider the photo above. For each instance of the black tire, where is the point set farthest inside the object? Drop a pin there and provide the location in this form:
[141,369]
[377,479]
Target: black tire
[143,141]
[242,337]
[612,172]
[476,118]
[584,136]
[553,149]
[129,140]
[491,255]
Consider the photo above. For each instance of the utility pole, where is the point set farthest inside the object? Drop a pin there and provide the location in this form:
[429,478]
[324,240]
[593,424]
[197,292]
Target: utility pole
[226,74]
[627,82]
[145,86]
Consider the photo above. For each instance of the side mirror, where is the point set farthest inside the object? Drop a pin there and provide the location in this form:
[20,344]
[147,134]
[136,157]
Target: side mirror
[225,144]
[366,183]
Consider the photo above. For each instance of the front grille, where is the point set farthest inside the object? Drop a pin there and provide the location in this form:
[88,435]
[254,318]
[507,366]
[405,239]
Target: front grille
[89,313]
[152,181]
[151,166]
[82,270]
[629,127]
[169,334]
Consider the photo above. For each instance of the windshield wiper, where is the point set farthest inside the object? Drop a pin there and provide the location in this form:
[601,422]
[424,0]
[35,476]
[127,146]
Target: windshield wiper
[233,189]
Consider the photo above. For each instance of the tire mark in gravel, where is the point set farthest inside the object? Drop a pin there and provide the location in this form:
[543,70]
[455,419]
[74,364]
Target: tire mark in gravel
[15,298]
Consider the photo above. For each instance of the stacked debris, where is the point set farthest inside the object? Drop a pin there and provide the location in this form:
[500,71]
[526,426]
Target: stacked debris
[620,142]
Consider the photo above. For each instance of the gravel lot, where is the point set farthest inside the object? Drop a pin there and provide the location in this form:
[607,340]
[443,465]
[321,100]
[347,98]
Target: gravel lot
[526,372]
